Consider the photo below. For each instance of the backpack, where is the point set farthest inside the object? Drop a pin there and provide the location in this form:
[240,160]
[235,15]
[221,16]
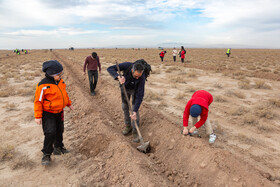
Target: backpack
[147,68]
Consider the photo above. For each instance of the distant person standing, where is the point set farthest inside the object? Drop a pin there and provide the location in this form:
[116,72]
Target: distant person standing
[174,53]
[182,54]
[228,52]
[91,64]
[161,55]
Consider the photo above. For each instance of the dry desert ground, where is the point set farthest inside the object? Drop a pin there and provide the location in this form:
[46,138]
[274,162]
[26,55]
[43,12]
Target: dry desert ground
[245,115]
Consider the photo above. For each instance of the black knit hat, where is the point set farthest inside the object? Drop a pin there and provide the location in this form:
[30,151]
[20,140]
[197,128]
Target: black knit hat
[52,67]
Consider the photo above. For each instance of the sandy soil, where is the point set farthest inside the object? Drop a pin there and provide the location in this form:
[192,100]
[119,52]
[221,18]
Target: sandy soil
[245,116]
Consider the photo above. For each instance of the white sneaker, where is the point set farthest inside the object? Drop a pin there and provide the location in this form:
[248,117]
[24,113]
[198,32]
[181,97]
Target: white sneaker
[212,138]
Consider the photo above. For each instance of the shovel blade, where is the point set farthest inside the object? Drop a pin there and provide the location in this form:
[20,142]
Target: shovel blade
[144,148]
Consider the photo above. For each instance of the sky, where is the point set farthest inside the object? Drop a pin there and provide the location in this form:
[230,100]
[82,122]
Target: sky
[44,24]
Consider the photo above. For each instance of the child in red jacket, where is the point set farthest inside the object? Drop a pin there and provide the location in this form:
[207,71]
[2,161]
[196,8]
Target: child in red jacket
[50,99]
[161,55]
[198,106]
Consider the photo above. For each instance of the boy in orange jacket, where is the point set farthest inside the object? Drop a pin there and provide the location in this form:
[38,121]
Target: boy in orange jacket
[50,99]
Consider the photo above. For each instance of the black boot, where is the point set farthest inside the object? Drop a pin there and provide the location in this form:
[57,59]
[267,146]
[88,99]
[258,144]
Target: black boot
[127,130]
[46,159]
[59,150]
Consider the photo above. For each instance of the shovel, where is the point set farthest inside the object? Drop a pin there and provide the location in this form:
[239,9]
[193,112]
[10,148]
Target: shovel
[145,146]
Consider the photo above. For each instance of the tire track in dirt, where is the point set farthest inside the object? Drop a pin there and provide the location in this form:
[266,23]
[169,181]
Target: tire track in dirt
[175,160]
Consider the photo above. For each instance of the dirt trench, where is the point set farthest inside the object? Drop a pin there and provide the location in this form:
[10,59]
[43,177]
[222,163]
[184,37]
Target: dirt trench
[108,158]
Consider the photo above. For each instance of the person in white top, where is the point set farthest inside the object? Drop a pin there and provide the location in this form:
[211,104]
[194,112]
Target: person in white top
[174,53]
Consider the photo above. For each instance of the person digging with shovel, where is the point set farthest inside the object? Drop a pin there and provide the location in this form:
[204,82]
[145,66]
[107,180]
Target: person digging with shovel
[197,106]
[134,81]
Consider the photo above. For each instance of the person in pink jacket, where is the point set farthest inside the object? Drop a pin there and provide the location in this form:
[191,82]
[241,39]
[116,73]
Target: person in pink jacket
[182,54]
[197,106]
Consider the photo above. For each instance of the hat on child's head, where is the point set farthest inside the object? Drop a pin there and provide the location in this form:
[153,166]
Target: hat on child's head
[52,67]
[195,110]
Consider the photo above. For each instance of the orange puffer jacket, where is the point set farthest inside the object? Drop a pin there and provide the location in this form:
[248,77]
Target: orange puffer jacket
[50,96]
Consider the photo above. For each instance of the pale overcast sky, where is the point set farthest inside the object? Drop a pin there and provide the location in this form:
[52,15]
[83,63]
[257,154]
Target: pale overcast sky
[41,24]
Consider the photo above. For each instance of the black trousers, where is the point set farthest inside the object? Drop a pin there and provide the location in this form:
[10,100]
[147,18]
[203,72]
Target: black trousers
[126,112]
[53,127]
[92,84]
[182,60]
[161,57]
[174,58]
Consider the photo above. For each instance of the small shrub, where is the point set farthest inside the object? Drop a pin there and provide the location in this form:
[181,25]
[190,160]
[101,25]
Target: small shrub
[250,119]
[180,96]
[240,111]
[7,152]
[178,79]
[244,84]
[22,162]
[264,111]
[155,71]
[260,84]
[4,93]
[236,93]
[275,102]
[3,83]
[246,139]
[10,107]
[218,85]
[192,74]
[265,127]
[149,96]
[26,91]
[220,98]
[162,104]
[191,89]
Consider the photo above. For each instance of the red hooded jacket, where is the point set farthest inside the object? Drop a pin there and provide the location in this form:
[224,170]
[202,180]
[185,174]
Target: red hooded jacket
[203,99]
[162,54]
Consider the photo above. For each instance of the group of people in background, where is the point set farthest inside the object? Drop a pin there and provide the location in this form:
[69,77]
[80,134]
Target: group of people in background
[17,51]
[181,54]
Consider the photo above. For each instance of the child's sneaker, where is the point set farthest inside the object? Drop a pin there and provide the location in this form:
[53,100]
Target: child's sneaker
[212,138]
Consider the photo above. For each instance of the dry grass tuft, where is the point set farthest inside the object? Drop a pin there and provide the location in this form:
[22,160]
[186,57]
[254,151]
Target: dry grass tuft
[149,96]
[180,96]
[155,71]
[251,119]
[178,79]
[192,73]
[235,93]
[260,84]
[264,111]
[275,102]
[10,107]
[3,82]
[218,85]
[162,104]
[22,161]
[220,98]
[26,91]
[244,84]
[265,127]
[7,92]
[239,111]
[7,152]
[191,89]
[246,139]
